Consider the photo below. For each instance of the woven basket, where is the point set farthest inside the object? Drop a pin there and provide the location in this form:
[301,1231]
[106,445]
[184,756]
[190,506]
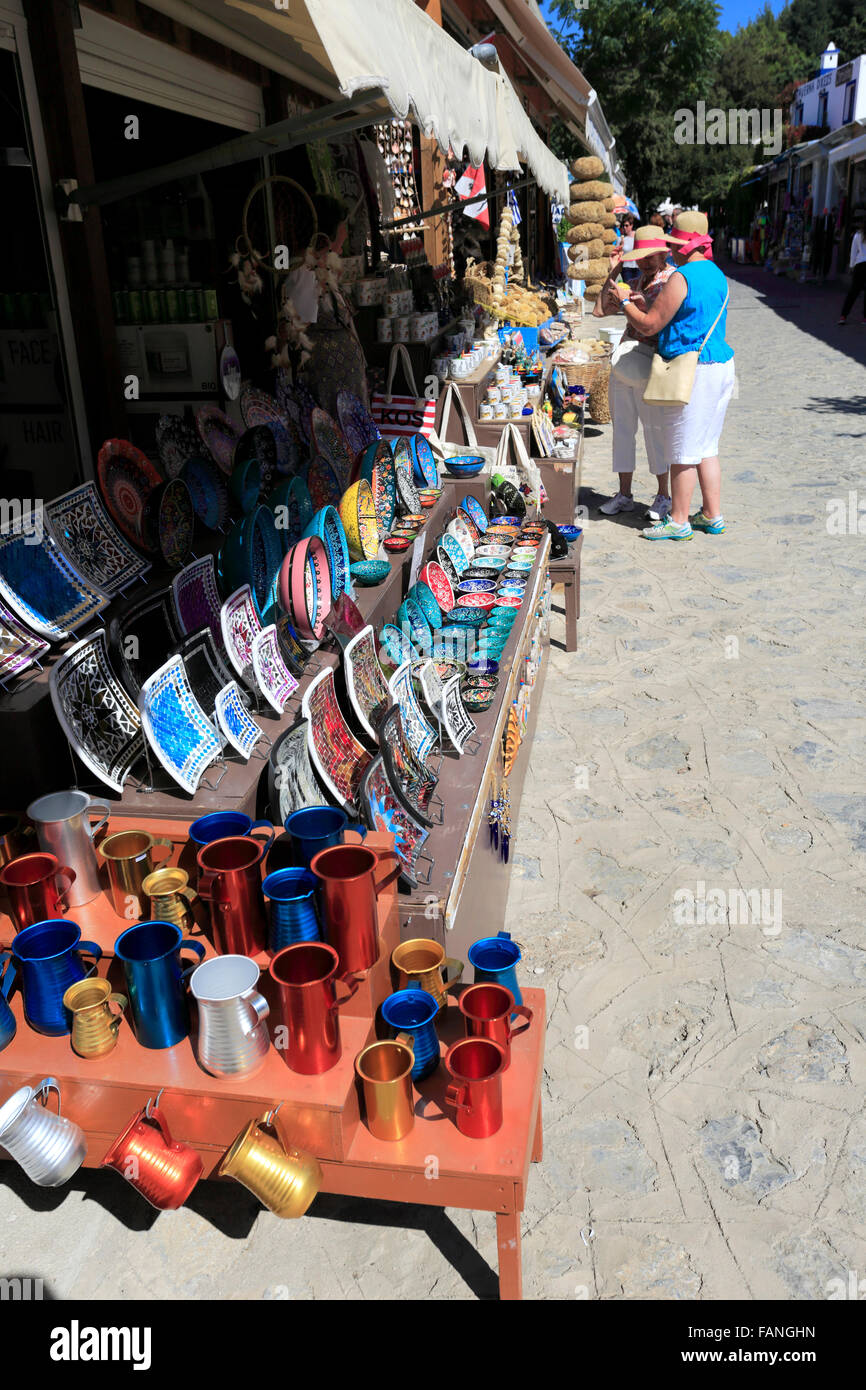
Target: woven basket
[599,406]
[585,374]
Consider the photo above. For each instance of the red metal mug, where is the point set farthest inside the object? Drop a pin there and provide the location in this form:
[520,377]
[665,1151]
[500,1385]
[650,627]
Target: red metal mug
[230,881]
[306,976]
[349,894]
[31,886]
[477,1065]
[487,1011]
[163,1171]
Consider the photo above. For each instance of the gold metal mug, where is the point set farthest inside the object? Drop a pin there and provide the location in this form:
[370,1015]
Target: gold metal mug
[384,1070]
[284,1179]
[422,962]
[170,897]
[130,858]
[94,1026]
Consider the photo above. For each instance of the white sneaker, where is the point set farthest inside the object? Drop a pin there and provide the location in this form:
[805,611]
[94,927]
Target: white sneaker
[620,503]
[660,508]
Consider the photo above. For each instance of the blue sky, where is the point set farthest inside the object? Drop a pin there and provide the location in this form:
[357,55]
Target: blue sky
[734,12]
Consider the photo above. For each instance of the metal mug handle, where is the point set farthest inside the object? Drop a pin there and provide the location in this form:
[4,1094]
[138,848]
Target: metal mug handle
[155,1115]
[94,830]
[198,948]
[259,1008]
[160,842]
[7,975]
[266,843]
[358,828]
[455,1095]
[408,1040]
[48,1083]
[394,874]
[352,983]
[62,892]
[92,949]
[524,1012]
[448,963]
[121,1001]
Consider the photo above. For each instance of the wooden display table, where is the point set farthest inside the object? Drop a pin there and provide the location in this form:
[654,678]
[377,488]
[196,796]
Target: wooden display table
[567,573]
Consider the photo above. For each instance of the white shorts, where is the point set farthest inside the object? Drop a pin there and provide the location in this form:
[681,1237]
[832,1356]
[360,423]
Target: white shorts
[628,408]
[685,434]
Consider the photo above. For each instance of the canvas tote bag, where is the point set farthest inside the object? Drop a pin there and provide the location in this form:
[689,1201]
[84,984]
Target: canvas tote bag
[522,470]
[399,415]
[443,449]
[670,383]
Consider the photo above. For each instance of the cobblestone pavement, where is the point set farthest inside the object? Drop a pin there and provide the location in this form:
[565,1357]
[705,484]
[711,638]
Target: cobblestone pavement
[704,1118]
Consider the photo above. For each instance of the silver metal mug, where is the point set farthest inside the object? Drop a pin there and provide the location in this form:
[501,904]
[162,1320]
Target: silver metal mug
[232,1034]
[48,1147]
[62,821]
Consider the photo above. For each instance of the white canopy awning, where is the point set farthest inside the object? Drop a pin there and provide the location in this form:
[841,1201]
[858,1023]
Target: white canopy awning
[850,148]
[349,47]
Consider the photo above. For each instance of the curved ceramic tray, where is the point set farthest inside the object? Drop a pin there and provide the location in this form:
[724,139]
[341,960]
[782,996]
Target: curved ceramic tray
[458,726]
[196,600]
[274,678]
[40,585]
[176,441]
[206,671]
[239,730]
[377,468]
[142,635]
[339,758]
[218,433]
[126,479]
[418,733]
[326,524]
[384,811]
[292,780]
[330,443]
[91,543]
[100,722]
[292,507]
[357,424]
[366,685]
[412,782]
[208,490]
[240,624]
[437,581]
[476,511]
[19,648]
[424,470]
[176,726]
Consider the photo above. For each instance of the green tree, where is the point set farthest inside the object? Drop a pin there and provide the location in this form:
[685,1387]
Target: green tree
[811,24]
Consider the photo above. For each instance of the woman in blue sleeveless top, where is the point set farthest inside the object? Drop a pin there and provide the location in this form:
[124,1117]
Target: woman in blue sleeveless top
[687,436]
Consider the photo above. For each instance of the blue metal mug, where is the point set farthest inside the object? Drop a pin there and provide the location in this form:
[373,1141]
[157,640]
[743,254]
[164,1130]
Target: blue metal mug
[292,912]
[7,1018]
[219,825]
[314,828]
[156,981]
[48,954]
[495,958]
[413,1010]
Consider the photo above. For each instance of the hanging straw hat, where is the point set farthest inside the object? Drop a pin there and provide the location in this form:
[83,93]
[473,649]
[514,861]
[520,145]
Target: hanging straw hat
[648,241]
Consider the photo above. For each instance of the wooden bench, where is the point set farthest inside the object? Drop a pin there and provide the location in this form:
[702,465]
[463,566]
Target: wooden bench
[567,573]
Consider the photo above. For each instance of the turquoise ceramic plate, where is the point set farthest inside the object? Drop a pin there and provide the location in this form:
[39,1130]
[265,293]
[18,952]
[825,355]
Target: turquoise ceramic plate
[426,600]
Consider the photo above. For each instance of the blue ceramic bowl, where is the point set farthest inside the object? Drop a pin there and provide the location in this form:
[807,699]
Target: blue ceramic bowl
[326,524]
[396,645]
[466,467]
[245,484]
[482,666]
[477,586]
[411,616]
[466,617]
[571,533]
[423,595]
[369,572]
[494,563]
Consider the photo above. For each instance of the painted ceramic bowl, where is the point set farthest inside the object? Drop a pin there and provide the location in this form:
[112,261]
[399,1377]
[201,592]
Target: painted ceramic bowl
[474,532]
[434,576]
[245,483]
[410,619]
[502,618]
[476,511]
[477,702]
[369,572]
[446,667]
[477,601]
[416,519]
[396,645]
[358,515]
[508,602]
[477,586]
[469,617]
[464,467]
[423,595]
[493,563]
[427,499]
[168,522]
[326,524]
[497,552]
[481,666]
[305,586]
[570,533]
[424,470]
[480,683]
[376,467]
[396,543]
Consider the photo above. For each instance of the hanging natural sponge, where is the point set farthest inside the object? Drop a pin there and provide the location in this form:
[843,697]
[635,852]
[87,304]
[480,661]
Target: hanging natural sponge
[596,270]
[607,219]
[608,236]
[589,166]
[587,231]
[608,203]
[587,250]
[593,189]
[585,212]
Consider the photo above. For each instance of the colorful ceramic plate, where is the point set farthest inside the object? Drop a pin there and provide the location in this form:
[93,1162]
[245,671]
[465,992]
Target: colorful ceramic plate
[396,543]
[424,468]
[274,678]
[83,529]
[377,468]
[356,422]
[476,511]
[460,531]
[426,600]
[239,730]
[434,576]
[176,441]
[252,555]
[329,441]
[292,507]
[339,758]
[219,435]
[177,728]
[99,720]
[240,623]
[196,600]
[126,479]
[324,486]
[208,490]
[44,591]
[369,572]
[291,780]
[444,559]
[327,525]
[384,810]
[19,648]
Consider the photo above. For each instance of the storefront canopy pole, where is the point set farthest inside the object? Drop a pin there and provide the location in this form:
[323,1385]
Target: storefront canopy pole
[255,144]
[493,193]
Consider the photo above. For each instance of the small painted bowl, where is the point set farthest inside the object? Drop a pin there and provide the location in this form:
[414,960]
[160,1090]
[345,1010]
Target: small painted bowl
[413,519]
[468,617]
[396,543]
[508,602]
[570,533]
[396,645]
[369,572]
[477,586]
[477,703]
[426,500]
[486,683]
[446,667]
[481,666]
[426,600]
[490,562]
[476,601]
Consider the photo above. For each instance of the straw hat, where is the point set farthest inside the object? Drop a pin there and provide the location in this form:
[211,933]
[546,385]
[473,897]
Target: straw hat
[689,224]
[648,241]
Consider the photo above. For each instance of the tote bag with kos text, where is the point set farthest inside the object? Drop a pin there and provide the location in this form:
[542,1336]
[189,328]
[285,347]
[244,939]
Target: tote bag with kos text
[399,415]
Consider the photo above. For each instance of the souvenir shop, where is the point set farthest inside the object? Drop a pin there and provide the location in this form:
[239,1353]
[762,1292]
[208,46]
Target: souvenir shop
[271,672]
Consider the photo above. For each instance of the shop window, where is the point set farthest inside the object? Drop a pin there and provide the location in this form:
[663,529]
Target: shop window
[822,109]
[848,107]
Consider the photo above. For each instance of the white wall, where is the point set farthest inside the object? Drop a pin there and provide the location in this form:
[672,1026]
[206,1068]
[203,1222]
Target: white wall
[835,85]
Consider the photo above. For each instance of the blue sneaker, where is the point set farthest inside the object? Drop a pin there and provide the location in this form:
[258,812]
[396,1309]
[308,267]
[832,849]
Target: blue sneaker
[667,530]
[699,522]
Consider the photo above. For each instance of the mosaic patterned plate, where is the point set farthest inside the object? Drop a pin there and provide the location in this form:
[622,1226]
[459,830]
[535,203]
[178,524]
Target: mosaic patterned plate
[274,678]
[424,470]
[366,685]
[97,716]
[40,585]
[238,728]
[292,507]
[84,532]
[196,599]
[456,554]
[419,734]
[358,426]
[339,758]
[208,490]
[413,784]
[292,781]
[206,670]
[262,412]
[240,624]
[434,576]
[176,727]
[168,522]
[19,648]
[383,811]
[476,511]
[126,479]
[176,441]
[377,468]
[218,433]
[142,635]
[396,645]
[323,483]
[327,525]
[330,442]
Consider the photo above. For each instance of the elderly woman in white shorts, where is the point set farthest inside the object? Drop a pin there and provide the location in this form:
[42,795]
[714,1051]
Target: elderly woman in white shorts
[689,315]
[629,374]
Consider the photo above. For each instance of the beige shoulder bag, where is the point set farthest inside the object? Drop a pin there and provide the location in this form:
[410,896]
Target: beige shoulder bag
[670,383]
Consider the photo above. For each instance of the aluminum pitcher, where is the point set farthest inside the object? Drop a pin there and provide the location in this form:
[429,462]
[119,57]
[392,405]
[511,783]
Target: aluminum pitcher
[62,821]
[48,1147]
[232,1034]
